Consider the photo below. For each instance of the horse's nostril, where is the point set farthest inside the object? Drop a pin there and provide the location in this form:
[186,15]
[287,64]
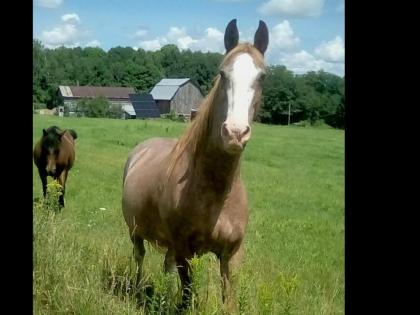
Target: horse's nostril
[246,131]
[225,130]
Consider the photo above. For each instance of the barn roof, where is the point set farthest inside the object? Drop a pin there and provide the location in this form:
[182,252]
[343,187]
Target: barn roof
[177,82]
[165,89]
[144,105]
[129,109]
[96,91]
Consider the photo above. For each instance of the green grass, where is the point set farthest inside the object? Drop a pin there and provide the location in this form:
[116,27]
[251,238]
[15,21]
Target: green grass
[294,243]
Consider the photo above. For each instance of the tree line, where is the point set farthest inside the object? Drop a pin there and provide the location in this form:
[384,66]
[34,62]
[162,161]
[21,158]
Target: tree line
[287,97]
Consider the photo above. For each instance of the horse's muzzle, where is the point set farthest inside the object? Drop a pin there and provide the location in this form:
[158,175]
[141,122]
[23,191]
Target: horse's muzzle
[235,138]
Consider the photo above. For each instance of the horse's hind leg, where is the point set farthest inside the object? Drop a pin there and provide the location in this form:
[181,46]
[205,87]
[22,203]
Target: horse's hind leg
[139,252]
[170,263]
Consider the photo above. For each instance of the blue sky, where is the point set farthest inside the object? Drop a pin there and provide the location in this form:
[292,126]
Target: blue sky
[304,34]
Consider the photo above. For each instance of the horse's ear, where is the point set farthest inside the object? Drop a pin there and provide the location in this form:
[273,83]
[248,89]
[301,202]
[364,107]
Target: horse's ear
[231,36]
[261,37]
[60,134]
[44,132]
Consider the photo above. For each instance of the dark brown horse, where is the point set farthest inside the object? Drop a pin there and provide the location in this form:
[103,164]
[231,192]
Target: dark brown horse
[54,156]
[187,195]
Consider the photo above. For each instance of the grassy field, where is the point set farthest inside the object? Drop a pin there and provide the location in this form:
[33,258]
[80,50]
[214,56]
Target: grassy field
[294,243]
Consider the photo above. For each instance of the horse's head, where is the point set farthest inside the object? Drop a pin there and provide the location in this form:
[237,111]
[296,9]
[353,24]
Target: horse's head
[51,140]
[241,75]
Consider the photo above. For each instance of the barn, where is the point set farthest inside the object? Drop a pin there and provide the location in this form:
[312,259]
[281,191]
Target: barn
[115,95]
[177,95]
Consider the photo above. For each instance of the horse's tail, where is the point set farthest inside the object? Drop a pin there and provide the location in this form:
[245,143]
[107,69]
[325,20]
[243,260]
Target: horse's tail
[73,133]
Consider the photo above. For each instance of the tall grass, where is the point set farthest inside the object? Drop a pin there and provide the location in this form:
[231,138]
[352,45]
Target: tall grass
[294,261]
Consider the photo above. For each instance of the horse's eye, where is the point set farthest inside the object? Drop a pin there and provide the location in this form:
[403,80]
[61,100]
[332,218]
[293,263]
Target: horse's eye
[222,74]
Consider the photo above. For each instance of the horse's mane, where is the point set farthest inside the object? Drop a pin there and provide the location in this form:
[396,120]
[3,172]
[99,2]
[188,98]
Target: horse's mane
[194,138]
[54,129]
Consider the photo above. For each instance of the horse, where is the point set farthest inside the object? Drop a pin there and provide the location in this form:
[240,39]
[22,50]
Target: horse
[54,156]
[187,195]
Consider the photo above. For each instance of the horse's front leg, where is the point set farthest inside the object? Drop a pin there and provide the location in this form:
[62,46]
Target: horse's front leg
[43,177]
[228,296]
[184,275]
[62,181]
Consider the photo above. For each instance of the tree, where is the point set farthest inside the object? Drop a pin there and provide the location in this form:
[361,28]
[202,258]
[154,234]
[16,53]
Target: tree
[316,95]
[279,92]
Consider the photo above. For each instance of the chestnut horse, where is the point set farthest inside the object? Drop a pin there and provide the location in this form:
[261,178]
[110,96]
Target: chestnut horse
[187,195]
[54,156]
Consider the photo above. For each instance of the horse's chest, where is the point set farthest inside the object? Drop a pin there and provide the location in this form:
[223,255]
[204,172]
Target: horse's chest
[202,231]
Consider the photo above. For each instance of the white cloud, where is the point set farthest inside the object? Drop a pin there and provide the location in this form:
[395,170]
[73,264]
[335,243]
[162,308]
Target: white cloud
[141,33]
[282,37]
[153,45]
[185,42]
[332,51]
[49,3]
[282,40]
[67,34]
[93,43]
[64,35]
[292,8]
[71,18]
[302,62]
[175,33]
[212,40]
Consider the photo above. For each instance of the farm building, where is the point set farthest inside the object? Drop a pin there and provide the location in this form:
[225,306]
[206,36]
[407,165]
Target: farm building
[177,95]
[144,106]
[46,111]
[115,95]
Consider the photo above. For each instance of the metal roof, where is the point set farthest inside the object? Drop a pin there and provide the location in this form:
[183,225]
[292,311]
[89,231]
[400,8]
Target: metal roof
[177,82]
[65,91]
[164,92]
[129,109]
[165,89]
[95,91]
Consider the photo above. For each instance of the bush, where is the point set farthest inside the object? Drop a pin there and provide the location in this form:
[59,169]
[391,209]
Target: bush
[95,107]
[172,115]
[39,105]
[114,111]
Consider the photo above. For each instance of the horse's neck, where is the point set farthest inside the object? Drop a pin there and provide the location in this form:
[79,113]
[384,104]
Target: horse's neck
[219,164]
[213,165]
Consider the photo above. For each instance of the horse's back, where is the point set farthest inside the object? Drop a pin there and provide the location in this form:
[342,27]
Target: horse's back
[67,147]
[147,154]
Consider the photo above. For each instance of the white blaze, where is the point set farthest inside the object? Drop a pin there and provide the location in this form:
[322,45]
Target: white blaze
[240,92]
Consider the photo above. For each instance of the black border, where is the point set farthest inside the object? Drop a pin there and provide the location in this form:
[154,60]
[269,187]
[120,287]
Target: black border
[16,154]
[372,204]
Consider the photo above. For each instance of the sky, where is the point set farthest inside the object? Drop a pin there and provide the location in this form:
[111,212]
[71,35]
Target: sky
[304,35]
